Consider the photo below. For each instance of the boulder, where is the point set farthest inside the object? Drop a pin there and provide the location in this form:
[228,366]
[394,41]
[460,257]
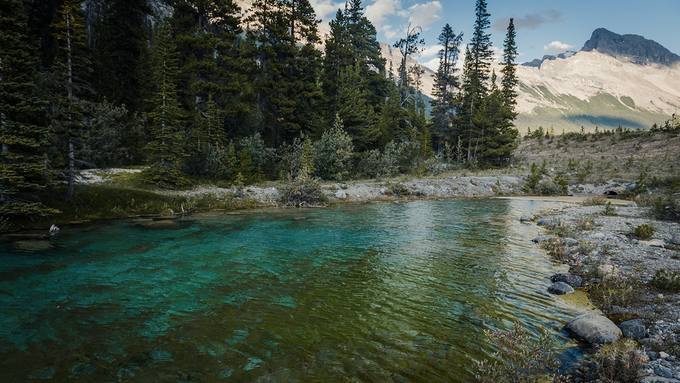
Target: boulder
[541,239]
[572,280]
[341,194]
[560,288]
[33,245]
[663,371]
[634,329]
[594,328]
[525,219]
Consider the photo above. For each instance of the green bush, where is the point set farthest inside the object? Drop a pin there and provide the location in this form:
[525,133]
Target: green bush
[666,280]
[333,153]
[619,362]
[644,231]
[302,192]
[609,210]
[519,357]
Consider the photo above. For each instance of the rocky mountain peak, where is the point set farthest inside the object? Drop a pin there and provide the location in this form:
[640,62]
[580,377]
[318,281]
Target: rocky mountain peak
[637,48]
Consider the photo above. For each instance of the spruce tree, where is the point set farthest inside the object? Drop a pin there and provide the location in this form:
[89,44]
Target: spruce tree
[510,81]
[354,110]
[446,86]
[71,72]
[166,145]
[120,46]
[23,134]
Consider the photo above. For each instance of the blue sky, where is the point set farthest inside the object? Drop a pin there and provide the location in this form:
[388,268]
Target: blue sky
[544,27]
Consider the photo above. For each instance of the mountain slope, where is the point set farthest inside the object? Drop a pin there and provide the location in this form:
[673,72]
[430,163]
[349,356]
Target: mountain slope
[636,48]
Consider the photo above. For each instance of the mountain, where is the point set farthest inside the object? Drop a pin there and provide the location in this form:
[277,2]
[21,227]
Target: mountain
[536,63]
[615,80]
[637,48]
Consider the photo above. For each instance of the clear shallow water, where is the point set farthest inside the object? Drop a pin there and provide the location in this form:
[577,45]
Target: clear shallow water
[374,293]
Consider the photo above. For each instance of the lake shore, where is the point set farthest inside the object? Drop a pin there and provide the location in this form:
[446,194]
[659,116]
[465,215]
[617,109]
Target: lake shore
[621,274]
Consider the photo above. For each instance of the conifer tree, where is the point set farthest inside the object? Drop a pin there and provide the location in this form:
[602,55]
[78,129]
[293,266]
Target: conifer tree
[120,46]
[23,134]
[71,72]
[166,145]
[446,86]
[510,81]
[353,109]
[409,45]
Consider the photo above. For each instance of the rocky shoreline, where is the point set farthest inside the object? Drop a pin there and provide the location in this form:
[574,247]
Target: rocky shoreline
[621,273]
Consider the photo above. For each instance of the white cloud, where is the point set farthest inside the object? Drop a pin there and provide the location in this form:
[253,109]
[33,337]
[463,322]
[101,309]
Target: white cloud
[325,9]
[381,10]
[431,51]
[432,63]
[557,46]
[425,14]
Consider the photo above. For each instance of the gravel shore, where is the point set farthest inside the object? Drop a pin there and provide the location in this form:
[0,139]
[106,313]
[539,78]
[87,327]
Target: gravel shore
[600,248]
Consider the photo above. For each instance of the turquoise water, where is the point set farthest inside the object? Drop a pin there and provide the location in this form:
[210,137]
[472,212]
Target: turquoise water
[372,293]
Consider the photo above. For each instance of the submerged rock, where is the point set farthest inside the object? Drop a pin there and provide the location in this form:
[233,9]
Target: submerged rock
[525,219]
[33,245]
[594,329]
[541,239]
[572,280]
[560,288]
[634,329]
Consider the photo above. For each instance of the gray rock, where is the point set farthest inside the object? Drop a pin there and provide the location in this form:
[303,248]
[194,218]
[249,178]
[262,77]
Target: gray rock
[341,194]
[547,222]
[634,329]
[525,219]
[594,329]
[674,240]
[663,371]
[657,379]
[570,242]
[541,239]
[572,280]
[560,288]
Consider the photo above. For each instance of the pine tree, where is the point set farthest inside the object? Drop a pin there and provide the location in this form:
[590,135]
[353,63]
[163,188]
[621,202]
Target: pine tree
[23,134]
[510,81]
[71,73]
[409,45]
[120,45]
[287,83]
[353,109]
[166,147]
[446,86]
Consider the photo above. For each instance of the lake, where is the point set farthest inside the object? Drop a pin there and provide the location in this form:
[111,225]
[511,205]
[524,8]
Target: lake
[379,292]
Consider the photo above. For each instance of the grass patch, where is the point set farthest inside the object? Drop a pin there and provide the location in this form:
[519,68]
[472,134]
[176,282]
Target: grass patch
[619,362]
[615,290]
[644,232]
[665,280]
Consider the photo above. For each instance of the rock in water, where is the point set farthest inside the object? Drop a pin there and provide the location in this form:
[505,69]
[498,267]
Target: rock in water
[594,329]
[33,245]
[572,280]
[634,329]
[560,288]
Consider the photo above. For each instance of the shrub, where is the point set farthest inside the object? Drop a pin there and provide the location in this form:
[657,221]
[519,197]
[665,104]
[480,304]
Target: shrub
[519,357]
[398,190]
[665,207]
[615,290]
[644,231]
[374,164]
[555,248]
[595,201]
[533,179]
[302,192]
[666,280]
[609,210]
[333,153]
[619,362]
[585,224]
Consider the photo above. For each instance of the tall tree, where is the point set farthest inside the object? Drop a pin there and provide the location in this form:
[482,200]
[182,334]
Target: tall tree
[23,134]
[71,72]
[510,81]
[120,46]
[287,84]
[446,86]
[165,148]
[409,45]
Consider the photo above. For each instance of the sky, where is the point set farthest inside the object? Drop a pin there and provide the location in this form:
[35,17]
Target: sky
[544,27]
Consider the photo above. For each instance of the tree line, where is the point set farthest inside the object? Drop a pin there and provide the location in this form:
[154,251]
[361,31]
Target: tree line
[202,89]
